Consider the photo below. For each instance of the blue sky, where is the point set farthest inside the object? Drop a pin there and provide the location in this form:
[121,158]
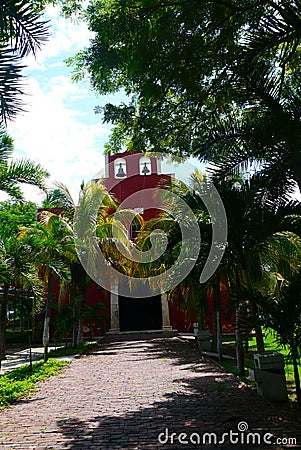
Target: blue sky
[59,129]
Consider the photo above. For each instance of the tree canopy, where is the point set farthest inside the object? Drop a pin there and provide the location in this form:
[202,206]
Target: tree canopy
[13,215]
[218,79]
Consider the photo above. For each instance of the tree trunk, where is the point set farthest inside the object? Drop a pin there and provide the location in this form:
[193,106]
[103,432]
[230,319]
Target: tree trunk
[33,328]
[21,317]
[240,358]
[218,325]
[3,321]
[47,316]
[296,373]
[201,323]
[257,329]
[219,337]
[15,318]
[80,337]
[73,328]
[259,339]
[254,310]
[79,288]
[214,332]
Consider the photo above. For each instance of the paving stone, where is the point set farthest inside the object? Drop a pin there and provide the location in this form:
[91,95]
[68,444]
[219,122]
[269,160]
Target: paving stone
[130,392]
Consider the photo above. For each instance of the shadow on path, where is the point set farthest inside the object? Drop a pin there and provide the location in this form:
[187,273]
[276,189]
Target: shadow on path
[204,400]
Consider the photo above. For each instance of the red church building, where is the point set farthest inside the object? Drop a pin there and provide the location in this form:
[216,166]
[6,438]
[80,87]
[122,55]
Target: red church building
[132,178]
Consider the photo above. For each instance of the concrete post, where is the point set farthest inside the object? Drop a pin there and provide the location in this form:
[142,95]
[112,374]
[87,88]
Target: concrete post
[165,313]
[114,304]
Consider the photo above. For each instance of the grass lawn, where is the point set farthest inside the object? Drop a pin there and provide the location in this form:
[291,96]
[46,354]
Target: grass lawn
[19,383]
[270,345]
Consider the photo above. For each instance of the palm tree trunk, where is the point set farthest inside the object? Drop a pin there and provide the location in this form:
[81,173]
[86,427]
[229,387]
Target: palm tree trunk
[219,337]
[73,328]
[78,290]
[254,309]
[296,373]
[201,322]
[240,357]
[3,321]
[217,313]
[33,327]
[259,339]
[214,332]
[79,338]
[47,316]
[257,329]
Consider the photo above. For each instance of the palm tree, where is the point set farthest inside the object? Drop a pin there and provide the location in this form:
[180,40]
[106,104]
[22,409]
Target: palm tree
[188,295]
[258,247]
[19,272]
[45,244]
[97,221]
[259,124]
[281,312]
[5,277]
[21,32]
[13,173]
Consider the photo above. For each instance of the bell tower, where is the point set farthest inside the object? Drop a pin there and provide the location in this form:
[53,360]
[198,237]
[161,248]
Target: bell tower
[132,178]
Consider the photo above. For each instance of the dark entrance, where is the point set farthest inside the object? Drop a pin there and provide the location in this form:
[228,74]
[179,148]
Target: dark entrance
[137,314]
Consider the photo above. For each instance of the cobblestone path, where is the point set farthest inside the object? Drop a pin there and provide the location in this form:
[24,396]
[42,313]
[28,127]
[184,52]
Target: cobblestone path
[142,394]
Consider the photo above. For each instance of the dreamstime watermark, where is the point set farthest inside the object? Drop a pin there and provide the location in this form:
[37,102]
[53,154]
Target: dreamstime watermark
[241,436]
[146,198]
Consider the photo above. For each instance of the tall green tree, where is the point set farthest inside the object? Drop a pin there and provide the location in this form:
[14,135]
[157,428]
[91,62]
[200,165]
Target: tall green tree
[13,215]
[260,246]
[21,272]
[45,244]
[215,79]
[97,207]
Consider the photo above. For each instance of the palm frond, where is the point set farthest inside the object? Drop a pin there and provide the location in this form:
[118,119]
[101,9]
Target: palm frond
[278,31]
[22,27]
[6,145]
[57,199]
[23,171]
[62,196]
[282,253]
[11,86]
[57,223]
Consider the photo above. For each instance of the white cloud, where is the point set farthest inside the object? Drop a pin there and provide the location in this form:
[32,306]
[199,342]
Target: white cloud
[52,134]
[61,89]
[60,130]
[66,36]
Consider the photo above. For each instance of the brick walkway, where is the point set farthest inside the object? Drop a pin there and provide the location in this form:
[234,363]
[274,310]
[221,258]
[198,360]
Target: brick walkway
[129,392]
